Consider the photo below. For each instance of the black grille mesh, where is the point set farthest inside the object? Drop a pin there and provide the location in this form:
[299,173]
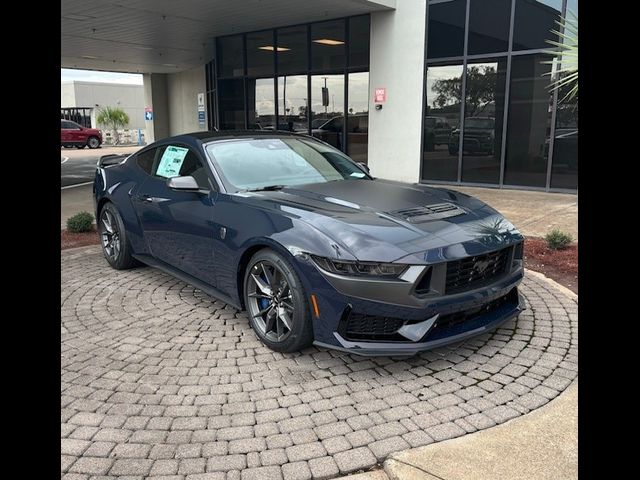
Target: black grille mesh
[473,272]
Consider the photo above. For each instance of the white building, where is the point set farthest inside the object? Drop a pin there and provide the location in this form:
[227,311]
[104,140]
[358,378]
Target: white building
[81,101]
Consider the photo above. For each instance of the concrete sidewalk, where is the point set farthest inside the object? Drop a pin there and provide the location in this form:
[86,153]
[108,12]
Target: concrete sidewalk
[533,213]
[542,445]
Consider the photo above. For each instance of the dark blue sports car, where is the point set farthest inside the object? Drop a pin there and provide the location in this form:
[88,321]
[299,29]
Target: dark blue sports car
[309,243]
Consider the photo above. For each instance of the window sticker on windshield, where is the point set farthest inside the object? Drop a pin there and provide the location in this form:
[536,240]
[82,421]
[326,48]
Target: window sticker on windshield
[171,161]
[357,174]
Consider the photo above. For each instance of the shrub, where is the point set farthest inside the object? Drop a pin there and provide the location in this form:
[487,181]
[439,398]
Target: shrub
[80,222]
[557,239]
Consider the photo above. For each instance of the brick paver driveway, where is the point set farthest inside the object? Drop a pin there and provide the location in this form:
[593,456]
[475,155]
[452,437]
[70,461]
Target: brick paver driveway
[160,379]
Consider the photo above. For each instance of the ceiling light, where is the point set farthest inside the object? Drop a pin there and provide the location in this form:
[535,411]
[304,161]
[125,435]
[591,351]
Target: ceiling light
[169,65]
[270,48]
[89,57]
[328,41]
[76,16]
[140,47]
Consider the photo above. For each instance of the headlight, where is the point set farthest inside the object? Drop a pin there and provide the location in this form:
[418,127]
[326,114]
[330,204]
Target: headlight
[359,269]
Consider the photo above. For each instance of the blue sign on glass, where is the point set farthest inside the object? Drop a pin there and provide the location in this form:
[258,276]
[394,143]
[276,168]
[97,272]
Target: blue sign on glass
[148,115]
[201,116]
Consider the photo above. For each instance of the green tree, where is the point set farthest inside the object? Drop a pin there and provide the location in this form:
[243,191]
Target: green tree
[564,72]
[481,88]
[113,118]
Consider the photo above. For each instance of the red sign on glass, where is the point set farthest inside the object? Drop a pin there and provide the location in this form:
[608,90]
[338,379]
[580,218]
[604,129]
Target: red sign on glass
[380,95]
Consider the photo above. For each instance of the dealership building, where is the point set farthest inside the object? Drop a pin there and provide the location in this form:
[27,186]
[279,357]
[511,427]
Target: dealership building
[439,92]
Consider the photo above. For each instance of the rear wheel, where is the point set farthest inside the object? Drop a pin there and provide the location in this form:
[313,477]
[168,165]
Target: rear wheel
[80,147]
[276,303]
[93,142]
[113,238]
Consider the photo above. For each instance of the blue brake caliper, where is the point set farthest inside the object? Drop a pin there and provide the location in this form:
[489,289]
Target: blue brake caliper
[263,302]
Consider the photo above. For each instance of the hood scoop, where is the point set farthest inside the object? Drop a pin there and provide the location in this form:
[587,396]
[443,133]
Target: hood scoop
[428,213]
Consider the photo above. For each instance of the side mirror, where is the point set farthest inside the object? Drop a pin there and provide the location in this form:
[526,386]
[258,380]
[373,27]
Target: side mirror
[185,184]
[364,166]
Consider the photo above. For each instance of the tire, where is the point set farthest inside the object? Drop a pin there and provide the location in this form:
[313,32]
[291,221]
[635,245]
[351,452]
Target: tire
[271,326]
[117,250]
[80,147]
[93,142]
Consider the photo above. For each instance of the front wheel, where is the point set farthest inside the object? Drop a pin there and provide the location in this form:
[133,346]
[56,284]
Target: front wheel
[113,238]
[276,303]
[93,142]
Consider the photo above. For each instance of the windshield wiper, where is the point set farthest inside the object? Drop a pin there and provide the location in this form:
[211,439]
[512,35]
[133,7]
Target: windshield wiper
[268,188]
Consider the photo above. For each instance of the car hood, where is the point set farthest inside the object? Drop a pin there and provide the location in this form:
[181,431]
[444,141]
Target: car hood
[372,220]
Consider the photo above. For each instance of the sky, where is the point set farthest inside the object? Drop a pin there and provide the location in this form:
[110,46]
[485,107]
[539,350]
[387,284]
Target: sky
[96,76]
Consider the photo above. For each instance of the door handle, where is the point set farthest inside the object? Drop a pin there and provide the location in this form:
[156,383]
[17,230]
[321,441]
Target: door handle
[145,198]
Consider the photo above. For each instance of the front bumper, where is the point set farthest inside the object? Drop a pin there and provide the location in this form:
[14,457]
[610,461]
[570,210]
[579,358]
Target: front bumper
[425,323]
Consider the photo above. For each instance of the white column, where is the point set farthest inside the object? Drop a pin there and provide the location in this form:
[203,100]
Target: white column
[397,64]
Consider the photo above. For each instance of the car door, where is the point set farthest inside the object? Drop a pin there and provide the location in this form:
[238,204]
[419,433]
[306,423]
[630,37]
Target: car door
[65,131]
[178,225]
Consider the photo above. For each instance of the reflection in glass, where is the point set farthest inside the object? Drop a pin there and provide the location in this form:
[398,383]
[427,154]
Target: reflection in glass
[260,53]
[359,41]
[231,104]
[564,169]
[529,121]
[446,29]
[358,116]
[328,45]
[484,113]
[292,50]
[489,26]
[292,103]
[261,103]
[230,54]
[327,110]
[442,117]
[534,20]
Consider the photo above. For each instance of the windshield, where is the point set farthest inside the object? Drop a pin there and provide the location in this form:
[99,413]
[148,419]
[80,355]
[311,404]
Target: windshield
[249,164]
[479,123]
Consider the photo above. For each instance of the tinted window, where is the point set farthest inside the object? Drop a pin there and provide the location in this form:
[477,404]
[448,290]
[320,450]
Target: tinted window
[358,116]
[65,125]
[534,20]
[484,113]
[292,103]
[446,29]
[231,94]
[145,160]
[489,26]
[328,45]
[440,145]
[528,126]
[359,41]
[260,53]
[261,103]
[248,164]
[186,161]
[292,50]
[230,57]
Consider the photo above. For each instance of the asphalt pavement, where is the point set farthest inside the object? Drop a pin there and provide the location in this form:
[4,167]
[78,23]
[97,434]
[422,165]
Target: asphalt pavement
[79,166]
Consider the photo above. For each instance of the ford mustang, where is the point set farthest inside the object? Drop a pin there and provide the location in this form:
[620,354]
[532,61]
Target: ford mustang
[309,243]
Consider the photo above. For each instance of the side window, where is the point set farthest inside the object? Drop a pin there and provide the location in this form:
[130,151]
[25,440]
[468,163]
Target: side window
[174,161]
[145,160]
[65,125]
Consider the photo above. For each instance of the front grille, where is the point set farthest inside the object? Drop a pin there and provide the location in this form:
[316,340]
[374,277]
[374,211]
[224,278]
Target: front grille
[473,272]
[430,212]
[356,326]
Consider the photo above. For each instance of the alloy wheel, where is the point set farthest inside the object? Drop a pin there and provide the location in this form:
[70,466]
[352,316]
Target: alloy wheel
[109,234]
[93,142]
[270,301]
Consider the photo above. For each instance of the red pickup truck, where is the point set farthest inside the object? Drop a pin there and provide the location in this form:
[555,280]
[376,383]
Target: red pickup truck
[74,135]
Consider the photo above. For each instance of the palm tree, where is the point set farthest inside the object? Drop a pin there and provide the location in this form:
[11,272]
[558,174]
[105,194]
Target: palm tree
[114,118]
[565,78]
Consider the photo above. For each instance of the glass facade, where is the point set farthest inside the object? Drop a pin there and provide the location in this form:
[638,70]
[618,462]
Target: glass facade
[304,78]
[490,116]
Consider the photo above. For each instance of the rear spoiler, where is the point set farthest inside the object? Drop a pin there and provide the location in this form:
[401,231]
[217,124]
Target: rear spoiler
[111,159]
